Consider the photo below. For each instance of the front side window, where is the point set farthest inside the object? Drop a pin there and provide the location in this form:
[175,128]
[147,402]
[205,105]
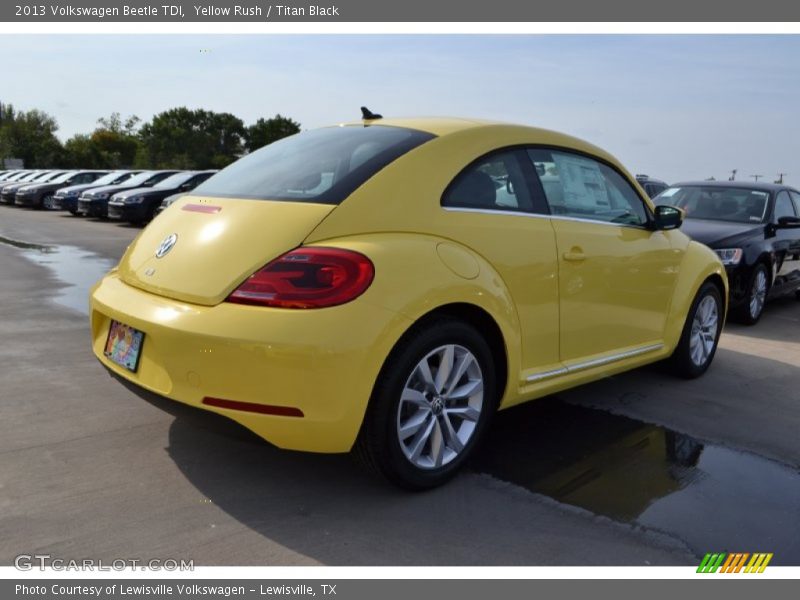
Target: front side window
[321,166]
[796,200]
[495,182]
[581,187]
[783,206]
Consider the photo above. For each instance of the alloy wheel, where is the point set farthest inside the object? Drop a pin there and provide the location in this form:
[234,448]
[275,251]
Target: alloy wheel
[440,406]
[703,336]
[758,294]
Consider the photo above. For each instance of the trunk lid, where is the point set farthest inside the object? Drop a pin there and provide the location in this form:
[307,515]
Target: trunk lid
[214,245]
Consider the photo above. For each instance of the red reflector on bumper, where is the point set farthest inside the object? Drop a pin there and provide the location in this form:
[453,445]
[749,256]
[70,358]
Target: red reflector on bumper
[202,208]
[264,409]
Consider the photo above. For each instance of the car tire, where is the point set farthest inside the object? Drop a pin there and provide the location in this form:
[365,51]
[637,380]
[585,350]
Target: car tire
[44,201]
[421,424]
[752,308]
[698,343]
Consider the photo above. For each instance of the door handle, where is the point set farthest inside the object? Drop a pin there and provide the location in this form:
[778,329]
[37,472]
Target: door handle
[574,256]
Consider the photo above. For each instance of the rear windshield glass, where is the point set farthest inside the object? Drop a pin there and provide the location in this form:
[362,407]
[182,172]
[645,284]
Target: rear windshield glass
[321,166]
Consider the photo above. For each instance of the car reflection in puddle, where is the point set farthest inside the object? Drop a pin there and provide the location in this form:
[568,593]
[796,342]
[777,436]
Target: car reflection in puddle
[712,498]
[79,269]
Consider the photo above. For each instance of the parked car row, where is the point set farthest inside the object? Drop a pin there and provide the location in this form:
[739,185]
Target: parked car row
[122,195]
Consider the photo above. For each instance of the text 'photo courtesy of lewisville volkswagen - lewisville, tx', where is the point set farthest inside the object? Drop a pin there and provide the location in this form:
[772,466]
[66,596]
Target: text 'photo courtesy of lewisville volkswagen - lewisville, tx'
[443,300]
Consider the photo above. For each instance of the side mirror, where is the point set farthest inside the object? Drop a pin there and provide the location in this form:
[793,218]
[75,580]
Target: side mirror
[668,217]
[788,222]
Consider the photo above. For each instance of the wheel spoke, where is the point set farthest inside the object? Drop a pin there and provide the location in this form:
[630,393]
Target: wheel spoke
[424,370]
[445,367]
[414,397]
[466,413]
[437,444]
[461,366]
[414,424]
[468,389]
[450,435]
[418,444]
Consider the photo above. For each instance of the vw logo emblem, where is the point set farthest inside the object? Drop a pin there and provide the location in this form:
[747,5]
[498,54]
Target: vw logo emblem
[166,245]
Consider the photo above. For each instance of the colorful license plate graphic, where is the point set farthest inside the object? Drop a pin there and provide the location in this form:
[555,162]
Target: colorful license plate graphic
[124,345]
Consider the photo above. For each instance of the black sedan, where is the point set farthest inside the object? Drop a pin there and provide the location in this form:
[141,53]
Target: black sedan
[140,205]
[67,198]
[8,195]
[94,202]
[755,230]
[40,195]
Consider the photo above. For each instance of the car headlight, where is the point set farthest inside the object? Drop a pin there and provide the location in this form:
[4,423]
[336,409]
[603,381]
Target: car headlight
[134,200]
[69,194]
[99,196]
[730,256]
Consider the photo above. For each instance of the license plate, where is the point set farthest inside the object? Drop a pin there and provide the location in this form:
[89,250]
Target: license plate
[124,345]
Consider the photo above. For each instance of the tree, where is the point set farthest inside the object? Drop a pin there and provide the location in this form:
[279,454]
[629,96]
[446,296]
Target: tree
[30,136]
[116,141]
[191,139]
[266,131]
[80,152]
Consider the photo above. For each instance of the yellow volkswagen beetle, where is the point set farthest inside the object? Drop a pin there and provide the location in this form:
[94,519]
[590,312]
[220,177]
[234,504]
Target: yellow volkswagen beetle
[385,286]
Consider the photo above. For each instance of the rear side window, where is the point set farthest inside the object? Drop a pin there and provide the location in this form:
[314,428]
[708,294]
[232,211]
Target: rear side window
[321,166]
[578,186]
[494,182]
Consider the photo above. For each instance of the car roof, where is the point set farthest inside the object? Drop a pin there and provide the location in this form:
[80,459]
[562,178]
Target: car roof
[751,185]
[445,126]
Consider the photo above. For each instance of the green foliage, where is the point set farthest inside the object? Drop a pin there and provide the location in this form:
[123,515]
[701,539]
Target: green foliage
[30,136]
[191,139]
[266,131]
[179,138]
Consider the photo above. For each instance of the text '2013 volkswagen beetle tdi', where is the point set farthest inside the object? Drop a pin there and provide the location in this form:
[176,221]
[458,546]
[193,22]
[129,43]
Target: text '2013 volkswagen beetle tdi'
[385,286]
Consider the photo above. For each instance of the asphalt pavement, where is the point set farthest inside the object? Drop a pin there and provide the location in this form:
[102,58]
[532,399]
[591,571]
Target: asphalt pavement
[89,468]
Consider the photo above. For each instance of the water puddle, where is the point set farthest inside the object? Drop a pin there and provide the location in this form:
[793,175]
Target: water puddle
[79,269]
[713,498]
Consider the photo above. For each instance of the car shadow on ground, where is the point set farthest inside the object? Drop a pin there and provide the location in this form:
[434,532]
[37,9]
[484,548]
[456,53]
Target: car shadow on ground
[775,324]
[327,508]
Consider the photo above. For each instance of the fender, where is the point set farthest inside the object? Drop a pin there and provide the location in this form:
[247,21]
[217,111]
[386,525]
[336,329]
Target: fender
[698,264]
[427,273]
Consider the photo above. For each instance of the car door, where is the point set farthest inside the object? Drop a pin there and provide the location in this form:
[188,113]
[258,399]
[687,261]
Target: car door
[616,275]
[787,242]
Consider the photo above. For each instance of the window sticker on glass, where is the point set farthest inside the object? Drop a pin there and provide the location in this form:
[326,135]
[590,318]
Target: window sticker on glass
[582,181]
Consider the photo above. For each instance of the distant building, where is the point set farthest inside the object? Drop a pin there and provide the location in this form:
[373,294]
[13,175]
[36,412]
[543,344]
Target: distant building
[12,163]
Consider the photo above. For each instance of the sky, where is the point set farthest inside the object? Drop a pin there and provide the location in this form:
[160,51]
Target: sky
[676,107]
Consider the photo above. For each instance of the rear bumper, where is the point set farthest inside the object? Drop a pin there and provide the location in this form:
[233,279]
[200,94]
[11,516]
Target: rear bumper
[315,361]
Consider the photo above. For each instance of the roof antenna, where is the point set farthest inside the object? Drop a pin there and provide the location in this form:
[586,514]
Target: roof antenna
[368,115]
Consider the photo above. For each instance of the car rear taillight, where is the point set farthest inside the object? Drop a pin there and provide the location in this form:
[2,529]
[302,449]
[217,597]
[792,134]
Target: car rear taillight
[311,277]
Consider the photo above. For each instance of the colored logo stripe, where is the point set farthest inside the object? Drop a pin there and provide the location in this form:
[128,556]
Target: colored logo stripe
[734,562]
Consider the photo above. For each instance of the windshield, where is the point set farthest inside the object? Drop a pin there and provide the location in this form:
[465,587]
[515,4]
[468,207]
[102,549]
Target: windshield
[63,177]
[738,205]
[139,179]
[107,179]
[175,180]
[323,165]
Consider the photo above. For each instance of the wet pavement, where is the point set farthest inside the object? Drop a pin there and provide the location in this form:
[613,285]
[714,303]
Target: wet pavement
[711,497]
[77,269]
